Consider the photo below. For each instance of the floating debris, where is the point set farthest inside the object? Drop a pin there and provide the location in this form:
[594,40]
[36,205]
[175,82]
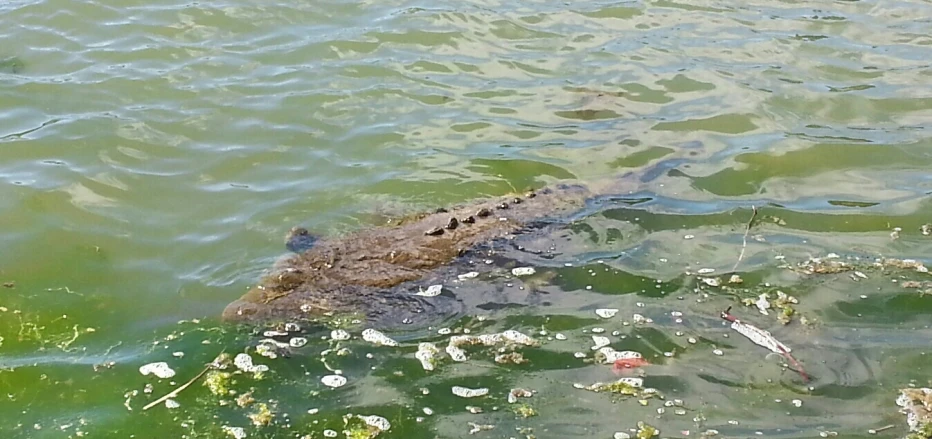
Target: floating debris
[519,338]
[243,362]
[523,271]
[514,394]
[626,360]
[297,342]
[608,355]
[431,291]
[905,264]
[524,411]
[333,381]
[376,422]
[510,336]
[926,229]
[171,404]
[470,275]
[427,355]
[711,281]
[606,313]
[378,338]
[639,319]
[764,339]
[465,392]
[479,427]
[783,303]
[159,369]
[600,342]
[339,335]
[510,358]
[763,304]
[827,265]
[263,415]
[234,432]
[456,353]
[916,404]
[706,271]
[270,348]
[623,386]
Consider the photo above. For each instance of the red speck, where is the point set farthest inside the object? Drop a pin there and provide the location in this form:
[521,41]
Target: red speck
[623,365]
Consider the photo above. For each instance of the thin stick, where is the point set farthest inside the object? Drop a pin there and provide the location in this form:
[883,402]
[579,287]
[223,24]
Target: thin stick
[175,392]
[744,243]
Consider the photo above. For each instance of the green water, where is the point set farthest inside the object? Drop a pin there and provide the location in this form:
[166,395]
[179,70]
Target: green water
[153,154]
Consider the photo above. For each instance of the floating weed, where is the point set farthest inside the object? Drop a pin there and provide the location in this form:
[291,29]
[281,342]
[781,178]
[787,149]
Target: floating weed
[218,382]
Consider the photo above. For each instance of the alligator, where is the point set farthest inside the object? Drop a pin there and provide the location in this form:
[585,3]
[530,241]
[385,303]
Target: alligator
[375,274]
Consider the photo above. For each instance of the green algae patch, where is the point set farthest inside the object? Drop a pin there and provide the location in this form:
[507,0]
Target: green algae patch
[218,382]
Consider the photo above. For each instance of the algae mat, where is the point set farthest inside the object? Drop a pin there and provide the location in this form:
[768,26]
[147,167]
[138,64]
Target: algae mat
[153,154]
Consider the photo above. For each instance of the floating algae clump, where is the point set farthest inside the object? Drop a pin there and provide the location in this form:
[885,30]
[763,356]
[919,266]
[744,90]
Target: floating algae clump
[624,386]
[262,416]
[218,382]
[646,431]
[525,411]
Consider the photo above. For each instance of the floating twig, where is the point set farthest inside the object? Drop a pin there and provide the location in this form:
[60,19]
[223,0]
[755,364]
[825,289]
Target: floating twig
[878,430]
[744,241]
[764,339]
[180,389]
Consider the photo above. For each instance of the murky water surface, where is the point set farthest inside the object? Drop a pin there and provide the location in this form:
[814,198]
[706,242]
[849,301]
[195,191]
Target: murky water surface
[153,154]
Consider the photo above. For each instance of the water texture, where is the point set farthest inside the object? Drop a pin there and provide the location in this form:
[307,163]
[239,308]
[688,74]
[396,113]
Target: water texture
[153,154]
